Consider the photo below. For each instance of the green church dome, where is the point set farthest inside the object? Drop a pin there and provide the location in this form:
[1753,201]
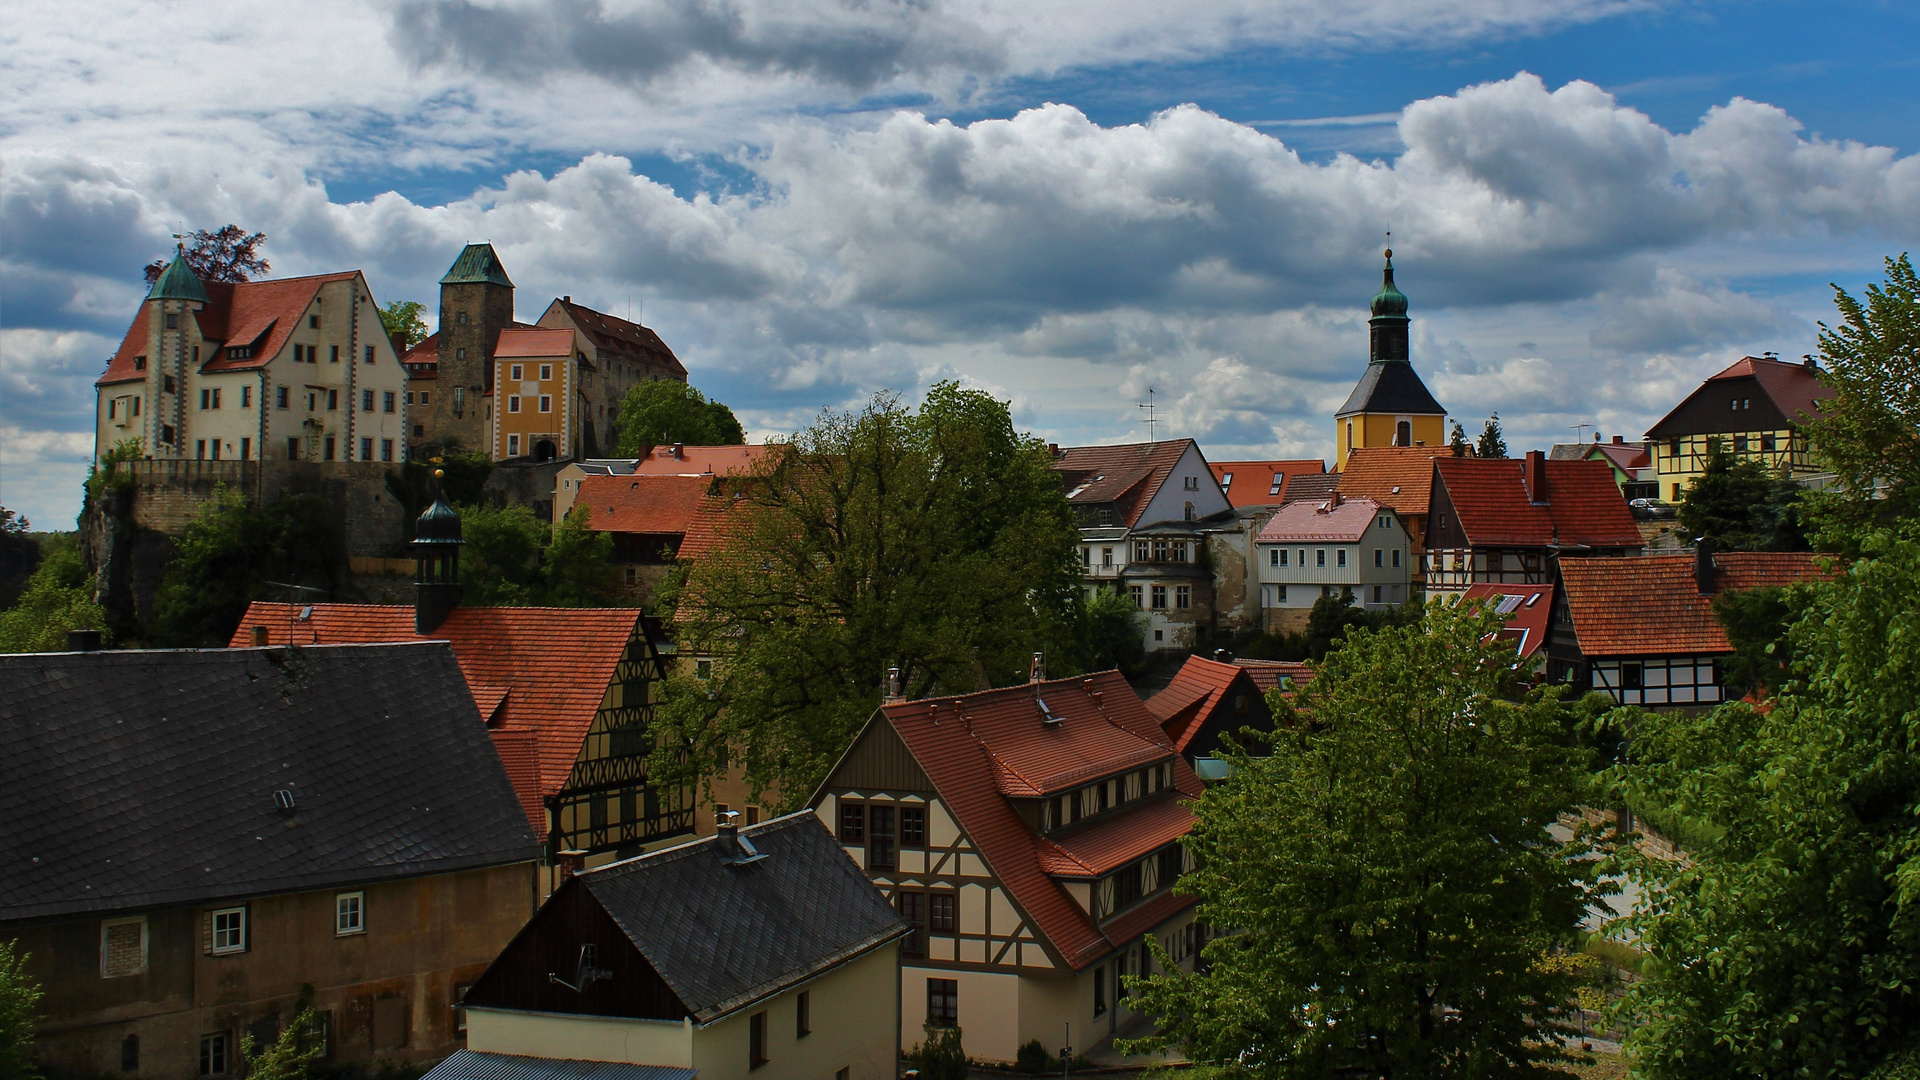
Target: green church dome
[1389,302]
[178,281]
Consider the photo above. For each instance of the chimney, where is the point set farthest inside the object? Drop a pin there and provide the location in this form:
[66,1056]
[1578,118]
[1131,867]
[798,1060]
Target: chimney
[257,636]
[1536,477]
[890,690]
[679,451]
[726,824]
[399,339]
[83,641]
[1222,656]
[1037,671]
[566,299]
[1617,439]
[1703,568]
[1336,499]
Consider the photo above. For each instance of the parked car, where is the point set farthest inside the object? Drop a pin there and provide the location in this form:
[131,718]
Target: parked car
[1652,508]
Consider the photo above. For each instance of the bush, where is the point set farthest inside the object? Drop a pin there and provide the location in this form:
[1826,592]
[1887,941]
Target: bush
[19,996]
[939,1057]
[57,598]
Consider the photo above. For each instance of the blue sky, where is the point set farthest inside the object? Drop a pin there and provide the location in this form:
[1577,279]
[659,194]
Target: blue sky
[1596,202]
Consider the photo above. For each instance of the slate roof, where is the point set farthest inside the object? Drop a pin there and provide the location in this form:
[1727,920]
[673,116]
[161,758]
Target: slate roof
[662,505]
[1197,692]
[473,1065]
[725,935]
[1128,476]
[1653,606]
[1391,386]
[613,334]
[537,674]
[1527,609]
[979,749]
[1329,522]
[1396,476]
[477,263]
[1491,498]
[261,314]
[1310,487]
[1254,481]
[146,779]
[1793,389]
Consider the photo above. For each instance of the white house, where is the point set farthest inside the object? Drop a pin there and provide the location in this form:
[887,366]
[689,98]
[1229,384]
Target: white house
[1314,549]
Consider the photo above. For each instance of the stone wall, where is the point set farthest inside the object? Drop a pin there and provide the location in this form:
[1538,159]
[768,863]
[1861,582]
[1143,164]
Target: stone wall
[167,494]
[524,483]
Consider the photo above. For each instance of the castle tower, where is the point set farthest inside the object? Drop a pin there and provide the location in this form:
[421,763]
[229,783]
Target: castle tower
[476,303]
[1389,406]
[171,345]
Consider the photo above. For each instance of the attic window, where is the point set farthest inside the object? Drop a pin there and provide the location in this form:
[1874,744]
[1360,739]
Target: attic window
[139,363]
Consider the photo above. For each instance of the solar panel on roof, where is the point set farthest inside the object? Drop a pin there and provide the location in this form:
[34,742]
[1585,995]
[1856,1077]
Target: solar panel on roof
[1508,602]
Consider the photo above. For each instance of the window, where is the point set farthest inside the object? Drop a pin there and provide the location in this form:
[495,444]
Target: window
[166,383]
[513,446]
[1379,558]
[459,1006]
[280,396]
[333,399]
[205,396]
[1086,554]
[802,1015]
[546,403]
[1278,479]
[546,372]
[913,826]
[845,1073]
[313,322]
[386,401]
[299,353]
[424,395]
[1767,443]
[130,1054]
[229,930]
[167,434]
[1403,434]
[756,1040]
[1320,557]
[246,449]
[136,406]
[1182,596]
[369,354]
[246,397]
[880,849]
[200,449]
[943,1002]
[386,449]
[366,449]
[1739,444]
[123,947]
[1341,556]
[703,670]
[1134,593]
[853,822]
[334,356]
[1376,594]
[515,373]
[409,397]
[350,913]
[1192,483]
[1226,480]
[941,912]
[1106,557]
[1273,556]
[293,448]
[513,403]
[753,815]
[1159,597]
[366,401]
[173,321]
[1396,558]
[213,1054]
[328,454]
[1630,677]
[460,318]
[139,363]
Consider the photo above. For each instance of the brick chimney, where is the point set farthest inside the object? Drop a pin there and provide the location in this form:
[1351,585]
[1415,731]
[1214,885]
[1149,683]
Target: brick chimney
[1536,477]
[1619,439]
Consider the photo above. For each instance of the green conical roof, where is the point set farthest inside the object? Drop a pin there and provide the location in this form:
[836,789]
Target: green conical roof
[477,263]
[1389,302]
[178,282]
[439,524]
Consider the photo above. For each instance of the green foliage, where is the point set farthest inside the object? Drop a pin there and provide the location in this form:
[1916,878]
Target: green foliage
[514,559]
[1034,1059]
[1756,623]
[108,474]
[57,598]
[403,317]
[464,481]
[229,552]
[293,1054]
[19,1000]
[939,1056]
[578,564]
[669,411]
[939,543]
[1869,433]
[1493,443]
[1113,633]
[1739,505]
[228,253]
[1458,441]
[1386,880]
[19,556]
[1789,944]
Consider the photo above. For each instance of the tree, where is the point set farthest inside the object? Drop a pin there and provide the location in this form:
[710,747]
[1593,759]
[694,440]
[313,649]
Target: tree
[230,554]
[513,559]
[403,317]
[1756,623]
[668,411]
[940,1056]
[1493,444]
[19,556]
[229,253]
[294,1054]
[578,564]
[1787,943]
[1868,434]
[57,598]
[1113,633]
[939,543]
[19,998]
[1386,880]
[1458,442]
[1736,504]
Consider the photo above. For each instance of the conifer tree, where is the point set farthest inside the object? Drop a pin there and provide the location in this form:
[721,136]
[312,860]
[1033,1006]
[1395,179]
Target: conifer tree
[1493,444]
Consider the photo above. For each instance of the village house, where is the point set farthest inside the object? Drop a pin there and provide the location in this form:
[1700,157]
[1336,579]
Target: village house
[288,370]
[1389,406]
[1508,521]
[1339,547]
[619,353]
[760,951]
[676,459]
[1261,483]
[1631,462]
[1206,699]
[648,517]
[1528,611]
[566,694]
[1643,630]
[1030,838]
[1754,409]
[1401,479]
[200,841]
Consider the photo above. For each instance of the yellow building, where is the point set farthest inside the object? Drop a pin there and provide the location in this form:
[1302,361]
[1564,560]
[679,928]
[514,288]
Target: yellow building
[534,414]
[1389,406]
[1753,409]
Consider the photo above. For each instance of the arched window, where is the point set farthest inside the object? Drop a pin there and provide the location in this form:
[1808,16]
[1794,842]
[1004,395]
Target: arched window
[1403,434]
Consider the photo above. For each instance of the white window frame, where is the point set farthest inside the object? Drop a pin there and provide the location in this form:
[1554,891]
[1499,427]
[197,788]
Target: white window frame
[239,944]
[513,403]
[108,924]
[349,914]
[224,1057]
[546,372]
[546,403]
[515,373]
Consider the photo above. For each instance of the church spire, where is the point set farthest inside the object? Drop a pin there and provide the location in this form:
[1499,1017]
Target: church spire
[1388,327]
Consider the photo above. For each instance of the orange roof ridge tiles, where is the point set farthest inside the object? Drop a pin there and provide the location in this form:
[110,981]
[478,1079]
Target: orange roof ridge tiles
[664,505]
[1584,506]
[1652,605]
[1397,476]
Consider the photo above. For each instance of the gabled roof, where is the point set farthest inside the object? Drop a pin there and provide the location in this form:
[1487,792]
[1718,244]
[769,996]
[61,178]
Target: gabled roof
[147,779]
[663,505]
[724,935]
[619,336]
[260,314]
[1127,476]
[705,527]
[1396,476]
[1336,521]
[723,460]
[1793,390]
[1391,386]
[1254,483]
[1527,609]
[1310,487]
[1491,498]
[978,749]
[543,671]
[422,361]
[1201,691]
[1268,674]
[477,264]
[533,341]
[1653,606]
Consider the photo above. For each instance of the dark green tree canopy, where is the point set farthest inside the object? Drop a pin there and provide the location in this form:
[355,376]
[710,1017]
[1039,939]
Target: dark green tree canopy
[404,317]
[1737,504]
[667,411]
[1458,441]
[228,253]
[1493,443]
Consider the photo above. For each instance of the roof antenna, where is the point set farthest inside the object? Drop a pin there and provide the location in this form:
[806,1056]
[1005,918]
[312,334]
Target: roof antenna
[1148,405]
[1580,431]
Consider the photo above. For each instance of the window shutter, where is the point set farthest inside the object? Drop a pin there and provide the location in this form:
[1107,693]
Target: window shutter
[206,932]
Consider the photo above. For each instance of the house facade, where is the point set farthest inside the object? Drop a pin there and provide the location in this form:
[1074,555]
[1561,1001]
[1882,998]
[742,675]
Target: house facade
[616,355]
[676,459]
[1754,409]
[648,518]
[1400,478]
[1507,521]
[1209,698]
[256,835]
[1029,836]
[756,951]
[540,396]
[1389,406]
[289,370]
[1311,550]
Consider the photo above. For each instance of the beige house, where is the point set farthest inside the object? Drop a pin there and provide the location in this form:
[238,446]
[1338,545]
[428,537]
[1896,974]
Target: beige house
[295,369]
[759,951]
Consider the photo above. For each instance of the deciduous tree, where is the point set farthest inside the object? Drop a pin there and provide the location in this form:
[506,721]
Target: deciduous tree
[228,253]
[19,1000]
[403,317]
[57,598]
[667,411]
[1386,882]
[231,550]
[1493,443]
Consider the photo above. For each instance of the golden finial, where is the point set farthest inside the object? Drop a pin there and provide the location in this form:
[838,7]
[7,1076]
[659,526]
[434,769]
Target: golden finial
[438,473]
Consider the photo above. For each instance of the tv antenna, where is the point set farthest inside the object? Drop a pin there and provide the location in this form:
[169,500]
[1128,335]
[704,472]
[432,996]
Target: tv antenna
[1148,405]
[1580,431]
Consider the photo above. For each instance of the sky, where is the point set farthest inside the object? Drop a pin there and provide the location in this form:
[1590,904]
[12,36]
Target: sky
[1074,205]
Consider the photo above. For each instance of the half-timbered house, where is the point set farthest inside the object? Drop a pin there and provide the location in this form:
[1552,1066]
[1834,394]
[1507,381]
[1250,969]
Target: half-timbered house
[1208,699]
[1507,521]
[1030,837]
[1755,409]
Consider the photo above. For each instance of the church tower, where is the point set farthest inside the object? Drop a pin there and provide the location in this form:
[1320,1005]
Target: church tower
[1389,406]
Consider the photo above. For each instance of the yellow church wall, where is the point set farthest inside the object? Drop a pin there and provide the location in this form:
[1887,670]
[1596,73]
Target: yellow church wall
[1377,429]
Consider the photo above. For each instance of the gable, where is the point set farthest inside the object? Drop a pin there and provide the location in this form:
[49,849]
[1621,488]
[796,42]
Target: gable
[879,761]
[1169,503]
[549,945]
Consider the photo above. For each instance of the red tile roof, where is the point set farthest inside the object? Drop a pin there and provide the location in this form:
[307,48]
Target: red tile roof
[1310,487]
[661,505]
[974,747]
[543,671]
[1128,476]
[1341,522]
[263,314]
[705,529]
[1652,606]
[1491,498]
[518,341]
[617,335]
[721,460]
[1254,481]
[1528,608]
[1794,388]
[1396,476]
[1625,456]
[1199,691]
[1268,674]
